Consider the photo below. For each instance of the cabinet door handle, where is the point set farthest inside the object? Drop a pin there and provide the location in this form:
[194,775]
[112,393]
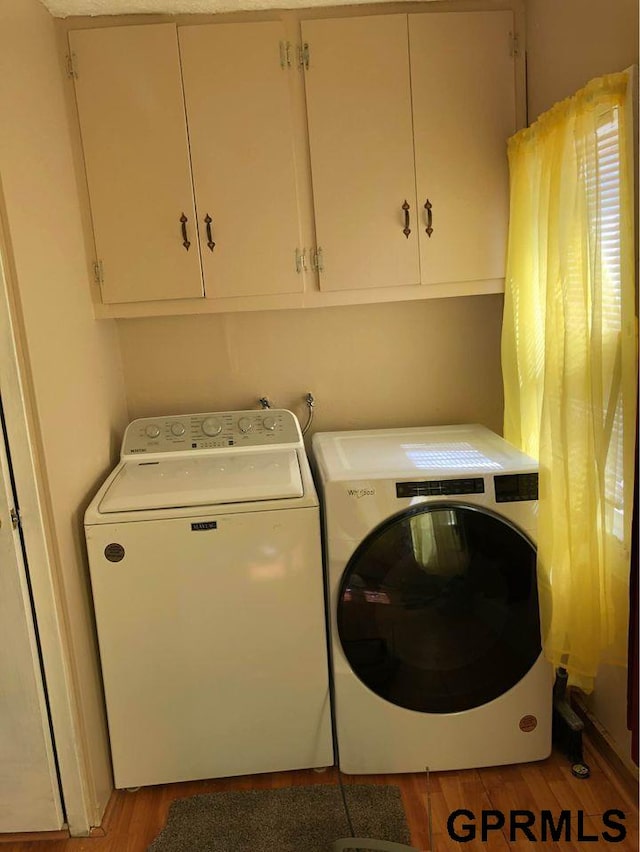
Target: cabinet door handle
[406,230]
[185,240]
[428,207]
[208,220]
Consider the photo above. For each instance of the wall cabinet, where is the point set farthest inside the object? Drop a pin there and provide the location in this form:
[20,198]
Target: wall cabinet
[238,100]
[361,143]
[200,197]
[191,195]
[464,110]
[408,118]
[136,154]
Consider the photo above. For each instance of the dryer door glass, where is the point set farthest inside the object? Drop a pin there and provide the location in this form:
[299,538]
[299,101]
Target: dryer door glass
[438,608]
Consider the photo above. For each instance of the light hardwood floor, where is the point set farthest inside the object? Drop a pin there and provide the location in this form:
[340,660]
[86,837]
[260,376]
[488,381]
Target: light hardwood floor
[134,819]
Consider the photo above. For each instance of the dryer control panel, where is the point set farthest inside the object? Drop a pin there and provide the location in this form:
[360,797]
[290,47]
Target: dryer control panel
[211,431]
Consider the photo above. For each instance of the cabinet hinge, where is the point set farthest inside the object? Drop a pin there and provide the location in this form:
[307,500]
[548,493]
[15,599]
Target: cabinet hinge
[317,260]
[98,272]
[301,260]
[15,518]
[514,44]
[303,56]
[285,55]
[72,71]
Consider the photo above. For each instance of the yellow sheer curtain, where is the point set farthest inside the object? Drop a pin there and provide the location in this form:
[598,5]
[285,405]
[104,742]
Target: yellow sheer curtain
[570,365]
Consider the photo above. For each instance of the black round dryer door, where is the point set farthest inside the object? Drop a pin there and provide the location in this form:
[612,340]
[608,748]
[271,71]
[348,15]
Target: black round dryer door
[438,608]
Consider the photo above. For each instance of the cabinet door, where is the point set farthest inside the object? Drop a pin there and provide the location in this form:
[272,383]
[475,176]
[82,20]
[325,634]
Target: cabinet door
[360,136]
[462,79]
[238,98]
[136,154]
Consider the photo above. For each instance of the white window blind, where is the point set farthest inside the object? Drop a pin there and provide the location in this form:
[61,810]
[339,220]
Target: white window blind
[605,188]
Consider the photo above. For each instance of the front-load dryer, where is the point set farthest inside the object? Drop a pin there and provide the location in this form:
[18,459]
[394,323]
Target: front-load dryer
[206,570]
[430,561]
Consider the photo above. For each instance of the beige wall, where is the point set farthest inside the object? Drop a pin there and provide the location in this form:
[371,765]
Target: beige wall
[74,361]
[383,365]
[374,365]
[431,362]
[571,41]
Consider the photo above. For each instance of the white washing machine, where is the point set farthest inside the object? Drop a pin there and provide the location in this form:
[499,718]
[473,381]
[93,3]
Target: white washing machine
[206,570]
[430,564]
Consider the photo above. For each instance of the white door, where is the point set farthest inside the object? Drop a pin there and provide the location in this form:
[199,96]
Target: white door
[29,791]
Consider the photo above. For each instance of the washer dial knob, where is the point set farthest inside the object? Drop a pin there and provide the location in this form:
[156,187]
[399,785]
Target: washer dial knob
[269,423]
[211,426]
[245,424]
[152,431]
[177,429]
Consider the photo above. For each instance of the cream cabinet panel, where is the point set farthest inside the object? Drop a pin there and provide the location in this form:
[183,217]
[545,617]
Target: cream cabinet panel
[463,90]
[136,154]
[239,113]
[361,145]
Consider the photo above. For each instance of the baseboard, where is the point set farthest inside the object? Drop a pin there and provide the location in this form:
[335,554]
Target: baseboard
[28,836]
[601,742]
[109,815]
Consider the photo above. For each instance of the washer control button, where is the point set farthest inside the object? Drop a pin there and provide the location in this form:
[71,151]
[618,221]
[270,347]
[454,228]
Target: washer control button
[211,426]
[177,429]
[245,424]
[152,431]
[269,423]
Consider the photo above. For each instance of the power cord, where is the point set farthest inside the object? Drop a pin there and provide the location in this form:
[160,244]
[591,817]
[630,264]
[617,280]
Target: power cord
[344,804]
[429,812]
[429,809]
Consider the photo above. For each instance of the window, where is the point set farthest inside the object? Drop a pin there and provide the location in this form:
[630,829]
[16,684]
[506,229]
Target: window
[570,363]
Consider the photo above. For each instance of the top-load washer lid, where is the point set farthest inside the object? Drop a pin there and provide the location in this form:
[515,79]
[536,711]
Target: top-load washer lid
[187,480]
[418,451]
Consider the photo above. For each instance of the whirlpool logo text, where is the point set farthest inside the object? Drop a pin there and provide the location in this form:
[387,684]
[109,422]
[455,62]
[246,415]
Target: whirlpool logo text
[361,492]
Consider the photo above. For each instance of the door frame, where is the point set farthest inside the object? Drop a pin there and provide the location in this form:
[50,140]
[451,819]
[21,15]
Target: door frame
[29,782]
[23,436]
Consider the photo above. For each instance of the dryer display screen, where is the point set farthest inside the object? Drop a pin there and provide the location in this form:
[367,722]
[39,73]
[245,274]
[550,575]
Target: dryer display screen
[515,487]
[440,487]
[438,608]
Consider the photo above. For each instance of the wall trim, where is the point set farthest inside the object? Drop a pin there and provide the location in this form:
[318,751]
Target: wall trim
[39,537]
[626,775]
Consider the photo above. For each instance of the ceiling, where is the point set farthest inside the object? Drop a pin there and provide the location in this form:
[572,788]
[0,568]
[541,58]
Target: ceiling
[65,8]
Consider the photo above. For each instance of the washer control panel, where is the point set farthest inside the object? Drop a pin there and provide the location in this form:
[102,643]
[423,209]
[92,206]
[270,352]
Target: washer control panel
[218,430]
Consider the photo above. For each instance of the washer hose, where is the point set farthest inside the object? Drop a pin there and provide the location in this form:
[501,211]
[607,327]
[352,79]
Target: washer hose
[310,403]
